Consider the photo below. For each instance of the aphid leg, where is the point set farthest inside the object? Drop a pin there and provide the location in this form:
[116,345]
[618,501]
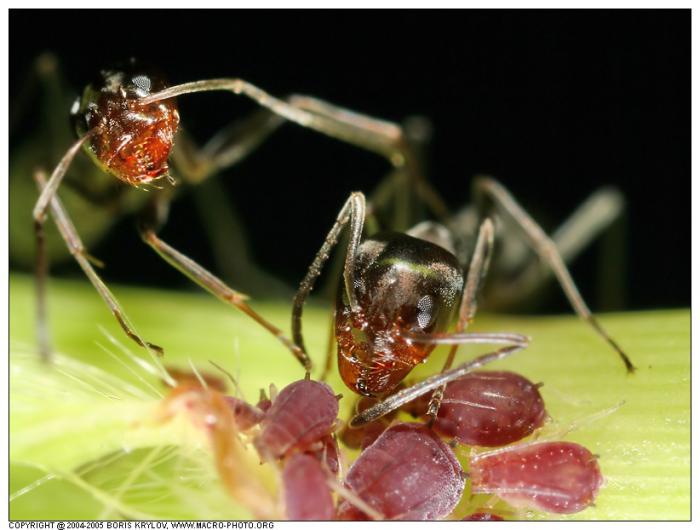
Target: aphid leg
[218,288]
[75,245]
[352,212]
[597,215]
[467,310]
[488,189]
[513,343]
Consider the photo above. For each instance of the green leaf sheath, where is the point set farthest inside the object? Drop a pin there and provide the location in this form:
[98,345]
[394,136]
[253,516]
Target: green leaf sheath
[84,442]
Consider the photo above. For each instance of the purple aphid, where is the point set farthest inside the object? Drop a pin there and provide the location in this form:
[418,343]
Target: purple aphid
[245,415]
[407,473]
[488,409]
[301,415]
[555,477]
[307,496]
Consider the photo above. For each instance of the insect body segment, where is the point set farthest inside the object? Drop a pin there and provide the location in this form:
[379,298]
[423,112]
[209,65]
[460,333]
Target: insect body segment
[557,477]
[130,140]
[402,285]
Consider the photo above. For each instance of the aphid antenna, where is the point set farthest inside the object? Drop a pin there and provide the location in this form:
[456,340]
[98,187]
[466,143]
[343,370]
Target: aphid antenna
[133,372]
[196,373]
[157,369]
[353,499]
[567,397]
[229,376]
[506,449]
[237,364]
[580,422]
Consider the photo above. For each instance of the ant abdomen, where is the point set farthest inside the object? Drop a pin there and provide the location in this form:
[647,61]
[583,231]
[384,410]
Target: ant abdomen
[402,285]
[130,140]
[487,409]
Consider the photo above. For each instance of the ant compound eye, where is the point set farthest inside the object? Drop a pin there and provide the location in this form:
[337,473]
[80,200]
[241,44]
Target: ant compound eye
[425,311]
[142,83]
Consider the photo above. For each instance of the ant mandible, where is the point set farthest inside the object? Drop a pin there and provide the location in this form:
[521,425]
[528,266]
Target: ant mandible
[400,291]
[127,122]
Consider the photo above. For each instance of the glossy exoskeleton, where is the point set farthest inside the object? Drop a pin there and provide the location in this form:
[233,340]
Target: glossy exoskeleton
[401,291]
[127,122]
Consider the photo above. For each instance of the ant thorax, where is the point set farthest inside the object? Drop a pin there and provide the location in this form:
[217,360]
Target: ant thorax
[403,286]
[129,140]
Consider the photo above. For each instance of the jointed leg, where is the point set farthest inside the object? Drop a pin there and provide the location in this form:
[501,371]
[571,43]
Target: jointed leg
[70,235]
[379,136]
[512,341]
[589,220]
[227,148]
[218,288]
[467,310]
[352,212]
[488,190]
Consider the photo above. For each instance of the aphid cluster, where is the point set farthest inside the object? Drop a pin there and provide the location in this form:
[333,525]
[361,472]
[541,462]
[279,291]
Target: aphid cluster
[405,470]
[397,298]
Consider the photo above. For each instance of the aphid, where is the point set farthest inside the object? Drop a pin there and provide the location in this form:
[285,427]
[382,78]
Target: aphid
[245,415]
[306,492]
[127,123]
[298,431]
[211,413]
[300,418]
[489,409]
[556,477]
[407,473]
[400,292]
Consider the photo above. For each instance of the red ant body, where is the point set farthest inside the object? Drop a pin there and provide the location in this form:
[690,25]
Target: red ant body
[127,122]
[400,292]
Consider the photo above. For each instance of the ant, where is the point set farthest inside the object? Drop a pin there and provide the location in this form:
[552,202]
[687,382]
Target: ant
[399,292]
[127,122]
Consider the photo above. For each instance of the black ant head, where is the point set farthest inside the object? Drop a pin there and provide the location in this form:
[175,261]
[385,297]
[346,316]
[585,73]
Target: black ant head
[402,284]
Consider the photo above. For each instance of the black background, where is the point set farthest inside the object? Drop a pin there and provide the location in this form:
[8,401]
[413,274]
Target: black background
[553,103]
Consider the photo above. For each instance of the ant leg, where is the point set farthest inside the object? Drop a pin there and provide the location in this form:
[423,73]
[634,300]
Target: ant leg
[48,191]
[513,343]
[75,245]
[219,218]
[214,285]
[352,212]
[382,137]
[376,135]
[596,215]
[467,310]
[226,148]
[328,365]
[486,188]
